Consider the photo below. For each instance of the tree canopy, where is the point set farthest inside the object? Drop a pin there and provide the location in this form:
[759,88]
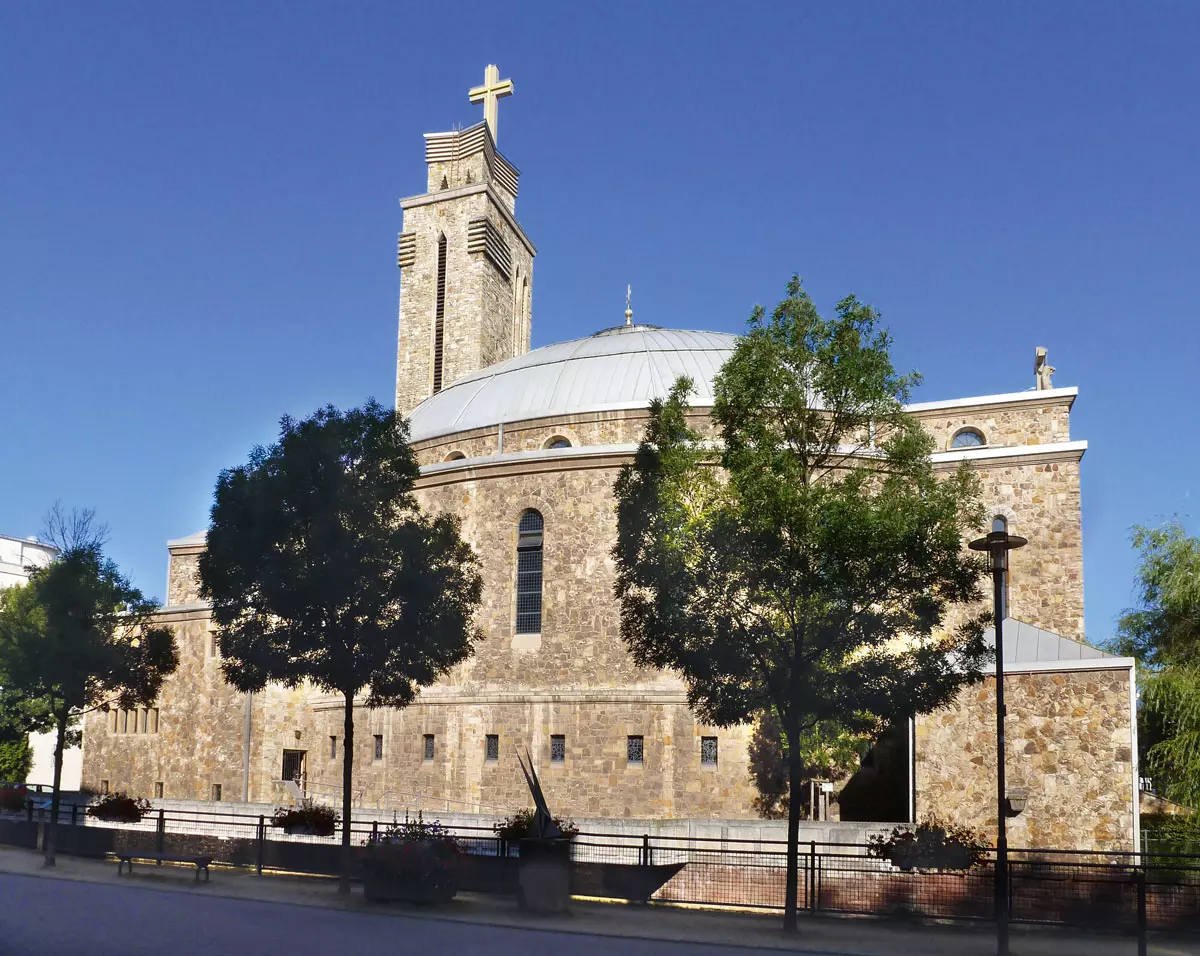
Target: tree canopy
[321,567]
[805,562]
[77,637]
[1162,631]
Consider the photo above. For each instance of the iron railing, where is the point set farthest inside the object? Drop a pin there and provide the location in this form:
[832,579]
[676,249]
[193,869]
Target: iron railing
[1115,890]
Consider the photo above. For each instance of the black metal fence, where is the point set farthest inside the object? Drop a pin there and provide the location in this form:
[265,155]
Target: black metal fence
[1119,891]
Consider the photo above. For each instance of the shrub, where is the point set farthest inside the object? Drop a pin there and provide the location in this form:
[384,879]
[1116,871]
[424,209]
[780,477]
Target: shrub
[1166,836]
[12,799]
[933,844]
[308,817]
[119,806]
[520,823]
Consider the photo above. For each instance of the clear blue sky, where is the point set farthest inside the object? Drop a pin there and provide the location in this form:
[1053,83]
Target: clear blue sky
[198,215]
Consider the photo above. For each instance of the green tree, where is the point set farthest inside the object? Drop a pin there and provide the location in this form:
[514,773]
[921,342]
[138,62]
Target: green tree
[1162,631]
[321,567]
[18,719]
[806,562]
[77,637]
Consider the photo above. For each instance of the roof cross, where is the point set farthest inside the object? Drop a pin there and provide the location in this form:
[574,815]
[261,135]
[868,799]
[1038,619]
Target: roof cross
[493,90]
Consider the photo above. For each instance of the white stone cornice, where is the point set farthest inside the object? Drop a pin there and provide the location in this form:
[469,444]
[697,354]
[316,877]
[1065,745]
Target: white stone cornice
[456,697]
[1047,396]
[1014,454]
[602,456]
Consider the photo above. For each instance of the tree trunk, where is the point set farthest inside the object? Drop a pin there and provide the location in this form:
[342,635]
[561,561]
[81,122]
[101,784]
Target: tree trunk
[51,831]
[347,790]
[795,800]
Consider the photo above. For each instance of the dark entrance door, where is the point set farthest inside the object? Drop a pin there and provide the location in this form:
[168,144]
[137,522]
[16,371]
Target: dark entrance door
[293,765]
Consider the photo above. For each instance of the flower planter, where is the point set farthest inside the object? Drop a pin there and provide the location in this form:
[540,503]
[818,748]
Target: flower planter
[544,875]
[307,829]
[417,871]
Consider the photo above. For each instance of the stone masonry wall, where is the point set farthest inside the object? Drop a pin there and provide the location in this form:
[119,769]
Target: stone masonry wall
[1069,743]
[479,325]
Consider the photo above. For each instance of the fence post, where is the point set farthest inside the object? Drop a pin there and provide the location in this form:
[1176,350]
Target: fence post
[74,814]
[375,831]
[29,811]
[260,839]
[160,834]
[645,849]
[1140,876]
[817,883]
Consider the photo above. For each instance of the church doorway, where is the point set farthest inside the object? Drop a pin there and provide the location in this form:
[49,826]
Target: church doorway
[295,767]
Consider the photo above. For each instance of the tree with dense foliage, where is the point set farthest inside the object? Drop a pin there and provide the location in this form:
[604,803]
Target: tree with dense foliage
[322,568]
[79,636]
[806,562]
[18,718]
[1162,631]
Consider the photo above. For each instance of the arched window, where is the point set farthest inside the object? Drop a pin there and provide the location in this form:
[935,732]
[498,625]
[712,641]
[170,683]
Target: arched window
[968,438]
[529,573]
[558,441]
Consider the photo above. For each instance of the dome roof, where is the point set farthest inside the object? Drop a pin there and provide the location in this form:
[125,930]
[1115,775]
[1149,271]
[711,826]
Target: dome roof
[618,368]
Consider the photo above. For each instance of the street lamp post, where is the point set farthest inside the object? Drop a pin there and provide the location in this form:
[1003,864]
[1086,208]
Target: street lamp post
[997,545]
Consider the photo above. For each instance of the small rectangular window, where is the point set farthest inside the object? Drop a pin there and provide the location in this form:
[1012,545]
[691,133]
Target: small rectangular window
[379,746]
[333,748]
[634,748]
[153,720]
[112,721]
[124,721]
[708,751]
[158,790]
[429,746]
[558,748]
[214,648]
[492,751]
[216,793]
[142,717]
[104,786]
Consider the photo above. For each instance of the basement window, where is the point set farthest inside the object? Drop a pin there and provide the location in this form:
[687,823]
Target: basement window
[158,790]
[379,746]
[708,751]
[332,748]
[216,793]
[429,747]
[492,747]
[558,748]
[635,749]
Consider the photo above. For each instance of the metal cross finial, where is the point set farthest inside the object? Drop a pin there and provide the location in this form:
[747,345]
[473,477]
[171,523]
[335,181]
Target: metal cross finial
[493,89]
[628,310]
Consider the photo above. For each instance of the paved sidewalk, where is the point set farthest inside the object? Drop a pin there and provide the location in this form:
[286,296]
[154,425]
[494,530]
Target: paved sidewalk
[824,935]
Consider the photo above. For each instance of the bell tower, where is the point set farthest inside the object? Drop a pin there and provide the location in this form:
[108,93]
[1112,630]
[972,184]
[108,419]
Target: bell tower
[466,264]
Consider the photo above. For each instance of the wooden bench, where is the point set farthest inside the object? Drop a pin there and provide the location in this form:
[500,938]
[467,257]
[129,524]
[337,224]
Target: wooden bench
[199,862]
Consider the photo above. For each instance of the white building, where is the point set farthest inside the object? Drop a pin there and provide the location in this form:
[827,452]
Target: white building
[17,556]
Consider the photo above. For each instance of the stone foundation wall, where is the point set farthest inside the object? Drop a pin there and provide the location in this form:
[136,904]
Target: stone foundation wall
[1069,743]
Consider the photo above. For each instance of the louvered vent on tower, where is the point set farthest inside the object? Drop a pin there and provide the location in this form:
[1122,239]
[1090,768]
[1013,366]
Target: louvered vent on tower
[439,317]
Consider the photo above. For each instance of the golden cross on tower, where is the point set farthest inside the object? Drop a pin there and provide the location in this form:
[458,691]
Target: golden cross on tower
[492,90]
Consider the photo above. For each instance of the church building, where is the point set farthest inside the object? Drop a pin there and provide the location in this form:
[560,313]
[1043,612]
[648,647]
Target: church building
[524,446]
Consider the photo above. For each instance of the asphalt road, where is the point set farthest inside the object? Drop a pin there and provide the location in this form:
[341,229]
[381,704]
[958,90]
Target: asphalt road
[46,917]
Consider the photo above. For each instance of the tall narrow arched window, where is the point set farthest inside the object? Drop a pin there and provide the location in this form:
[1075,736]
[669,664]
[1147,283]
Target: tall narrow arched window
[529,573]
[439,316]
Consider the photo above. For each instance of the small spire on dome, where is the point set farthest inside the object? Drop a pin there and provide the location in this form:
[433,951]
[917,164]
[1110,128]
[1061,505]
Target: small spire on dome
[628,310]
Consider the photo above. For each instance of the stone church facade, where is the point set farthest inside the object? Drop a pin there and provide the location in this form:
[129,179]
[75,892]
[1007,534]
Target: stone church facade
[525,446]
